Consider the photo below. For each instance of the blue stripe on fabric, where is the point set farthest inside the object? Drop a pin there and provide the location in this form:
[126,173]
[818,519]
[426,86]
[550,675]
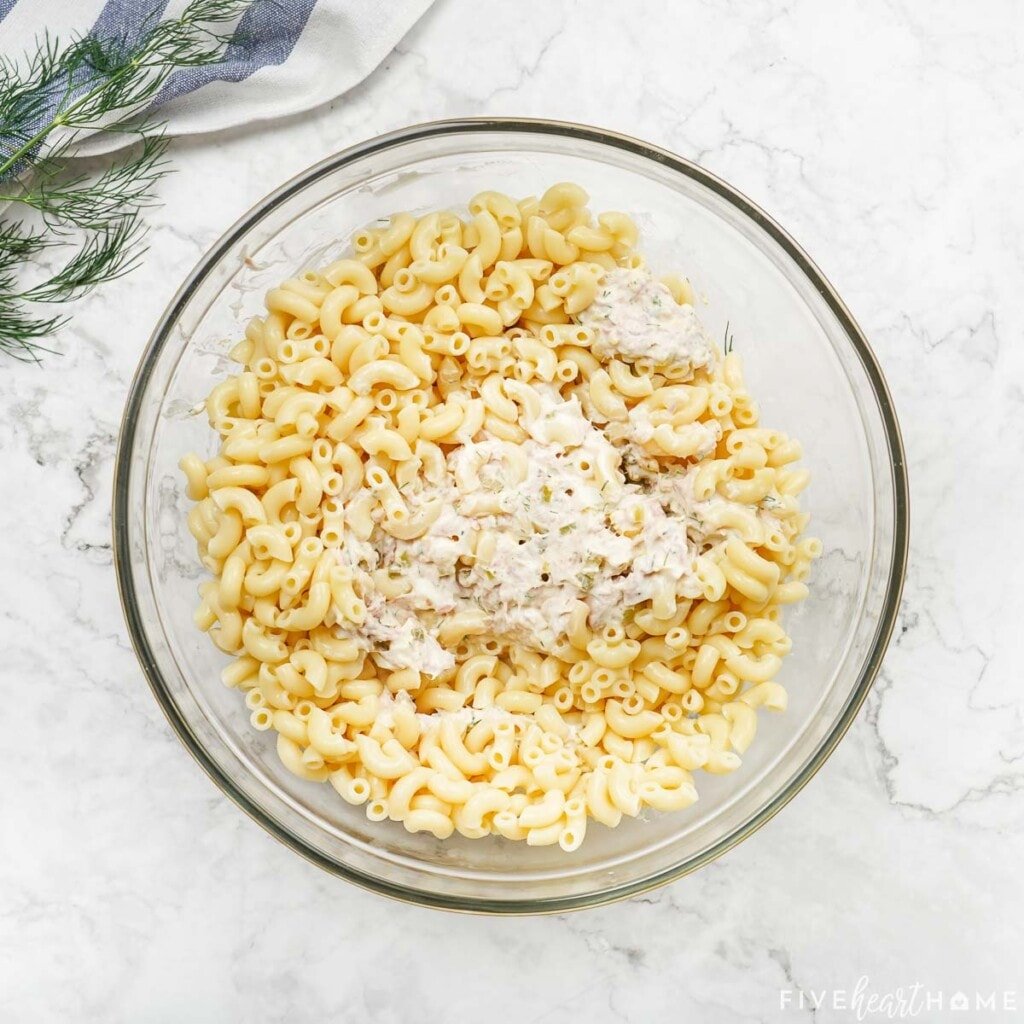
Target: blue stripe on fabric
[127,19]
[266,35]
[6,6]
[124,20]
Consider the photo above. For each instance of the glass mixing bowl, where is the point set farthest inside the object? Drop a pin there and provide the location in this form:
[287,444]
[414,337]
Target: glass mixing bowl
[806,361]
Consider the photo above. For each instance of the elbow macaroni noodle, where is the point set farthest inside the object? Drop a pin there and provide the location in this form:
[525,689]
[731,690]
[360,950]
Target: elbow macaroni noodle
[397,404]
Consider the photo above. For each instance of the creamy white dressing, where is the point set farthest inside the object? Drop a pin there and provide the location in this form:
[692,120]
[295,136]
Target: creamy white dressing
[635,317]
[400,640]
[560,531]
[640,426]
[462,718]
[559,536]
[551,530]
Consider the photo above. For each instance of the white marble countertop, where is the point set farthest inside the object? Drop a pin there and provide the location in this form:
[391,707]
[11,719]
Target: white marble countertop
[888,137]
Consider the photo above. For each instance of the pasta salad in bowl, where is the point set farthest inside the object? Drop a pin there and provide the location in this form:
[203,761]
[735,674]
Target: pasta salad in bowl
[499,543]
[494,544]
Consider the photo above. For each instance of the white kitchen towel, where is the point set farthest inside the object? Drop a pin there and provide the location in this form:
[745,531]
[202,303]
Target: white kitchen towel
[285,56]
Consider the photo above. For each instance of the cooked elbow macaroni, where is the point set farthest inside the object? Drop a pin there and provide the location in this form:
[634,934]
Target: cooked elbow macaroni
[499,545]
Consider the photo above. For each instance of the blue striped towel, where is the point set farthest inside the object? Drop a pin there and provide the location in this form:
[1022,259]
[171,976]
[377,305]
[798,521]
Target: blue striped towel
[286,56]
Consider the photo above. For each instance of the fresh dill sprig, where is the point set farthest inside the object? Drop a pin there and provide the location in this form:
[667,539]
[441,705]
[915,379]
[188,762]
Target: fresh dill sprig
[106,254]
[729,339]
[17,244]
[93,203]
[48,101]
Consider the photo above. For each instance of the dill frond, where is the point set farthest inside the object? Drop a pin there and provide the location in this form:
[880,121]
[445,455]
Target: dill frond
[91,203]
[21,332]
[105,255]
[17,244]
[48,100]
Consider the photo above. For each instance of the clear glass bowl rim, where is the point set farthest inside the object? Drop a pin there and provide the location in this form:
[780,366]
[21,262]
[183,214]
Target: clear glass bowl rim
[571,130]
